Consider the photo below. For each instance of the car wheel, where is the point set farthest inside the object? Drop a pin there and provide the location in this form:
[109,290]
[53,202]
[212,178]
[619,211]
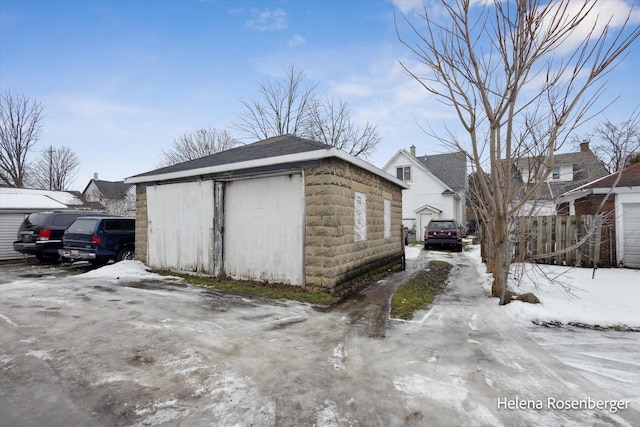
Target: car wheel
[459,248]
[426,247]
[125,254]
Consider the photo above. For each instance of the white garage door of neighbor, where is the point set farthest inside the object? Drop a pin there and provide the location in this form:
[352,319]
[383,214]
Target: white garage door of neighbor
[264,229]
[631,219]
[180,229]
[9,225]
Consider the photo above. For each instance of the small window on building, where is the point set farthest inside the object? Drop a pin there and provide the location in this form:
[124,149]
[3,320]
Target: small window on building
[387,219]
[555,172]
[404,173]
[360,217]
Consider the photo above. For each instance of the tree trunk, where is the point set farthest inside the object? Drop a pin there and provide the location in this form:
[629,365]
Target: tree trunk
[496,252]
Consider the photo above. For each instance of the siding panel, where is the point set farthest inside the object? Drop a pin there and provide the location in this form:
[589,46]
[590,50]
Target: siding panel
[9,225]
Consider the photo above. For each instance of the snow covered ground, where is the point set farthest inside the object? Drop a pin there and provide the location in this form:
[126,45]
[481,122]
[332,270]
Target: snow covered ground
[121,345]
[607,298]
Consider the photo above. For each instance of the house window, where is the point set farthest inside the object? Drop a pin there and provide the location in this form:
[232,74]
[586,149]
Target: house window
[404,173]
[360,217]
[555,172]
[387,219]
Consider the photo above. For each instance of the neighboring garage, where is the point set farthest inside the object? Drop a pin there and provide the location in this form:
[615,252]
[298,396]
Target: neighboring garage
[15,204]
[619,196]
[286,210]
[631,236]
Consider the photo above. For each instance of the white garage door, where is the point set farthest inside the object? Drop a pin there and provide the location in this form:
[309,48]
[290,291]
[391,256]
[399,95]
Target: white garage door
[264,229]
[9,224]
[631,236]
[180,229]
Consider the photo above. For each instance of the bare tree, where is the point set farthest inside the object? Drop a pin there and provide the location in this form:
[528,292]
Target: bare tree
[282,109]
[291,107]
[331,123]
[56,169]
[20,127]
[501,68]
[123,206]
[193,145]
[615,144]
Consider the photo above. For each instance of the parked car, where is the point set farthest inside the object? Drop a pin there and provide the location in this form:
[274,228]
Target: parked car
[99,239]
[40,233]
[443,233]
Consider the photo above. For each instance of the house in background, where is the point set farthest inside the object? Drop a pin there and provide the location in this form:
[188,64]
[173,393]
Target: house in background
[115,197]
[570,170]
[285,209]
[16,203]
[437,187]
[619,195]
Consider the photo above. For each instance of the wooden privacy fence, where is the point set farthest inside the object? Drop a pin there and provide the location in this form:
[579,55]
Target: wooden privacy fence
[559,239]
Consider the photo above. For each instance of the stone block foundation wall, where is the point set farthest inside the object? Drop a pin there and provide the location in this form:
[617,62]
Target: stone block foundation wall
[333,259]
[142,221]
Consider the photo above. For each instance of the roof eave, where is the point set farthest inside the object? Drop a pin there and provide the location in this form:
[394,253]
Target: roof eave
[287,158]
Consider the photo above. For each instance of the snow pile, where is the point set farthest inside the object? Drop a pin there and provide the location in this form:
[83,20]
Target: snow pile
[123,270]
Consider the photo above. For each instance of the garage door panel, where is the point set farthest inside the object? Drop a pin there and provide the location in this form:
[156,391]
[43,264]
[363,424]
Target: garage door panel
[9,225]
[180,228]
[631,236]
[264,229]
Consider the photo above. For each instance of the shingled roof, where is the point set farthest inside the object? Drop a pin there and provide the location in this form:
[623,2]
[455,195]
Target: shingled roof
[271,147]
[629,177]
[278,150]
[450,168]
[586,168]
[112,189]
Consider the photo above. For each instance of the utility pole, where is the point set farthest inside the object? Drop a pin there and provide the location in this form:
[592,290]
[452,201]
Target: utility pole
[50,167]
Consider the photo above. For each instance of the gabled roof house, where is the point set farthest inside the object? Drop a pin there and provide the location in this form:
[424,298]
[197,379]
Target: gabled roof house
[113,196]
[285,209]
[570,170]
[437,187]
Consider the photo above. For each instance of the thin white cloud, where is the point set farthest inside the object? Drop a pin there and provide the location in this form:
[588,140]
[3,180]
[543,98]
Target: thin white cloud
[297,40]
[406,6]
[267,20]
[612,12]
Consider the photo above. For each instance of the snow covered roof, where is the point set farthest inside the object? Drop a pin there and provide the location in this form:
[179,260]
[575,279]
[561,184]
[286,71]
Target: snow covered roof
[29,201]
[38,199]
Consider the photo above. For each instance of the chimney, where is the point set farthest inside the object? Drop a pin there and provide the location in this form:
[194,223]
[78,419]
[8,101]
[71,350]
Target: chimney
[584,146]
[95,176]
[413,150]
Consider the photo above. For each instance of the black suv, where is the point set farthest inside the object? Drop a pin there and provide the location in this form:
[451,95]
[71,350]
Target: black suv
[40,233]
[99,239]
[443,232]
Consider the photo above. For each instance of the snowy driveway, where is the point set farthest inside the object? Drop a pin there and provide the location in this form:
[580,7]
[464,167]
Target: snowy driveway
[92,350]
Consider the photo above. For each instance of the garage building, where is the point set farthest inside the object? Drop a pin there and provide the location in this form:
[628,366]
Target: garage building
[285,209]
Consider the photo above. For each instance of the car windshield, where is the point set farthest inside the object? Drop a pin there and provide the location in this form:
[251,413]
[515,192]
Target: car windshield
[83,226]
[442,225]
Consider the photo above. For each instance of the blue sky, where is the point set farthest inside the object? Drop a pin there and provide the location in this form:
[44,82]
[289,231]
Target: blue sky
[120,79]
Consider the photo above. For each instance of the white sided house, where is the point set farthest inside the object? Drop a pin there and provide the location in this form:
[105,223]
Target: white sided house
[285,210]
[437,187]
